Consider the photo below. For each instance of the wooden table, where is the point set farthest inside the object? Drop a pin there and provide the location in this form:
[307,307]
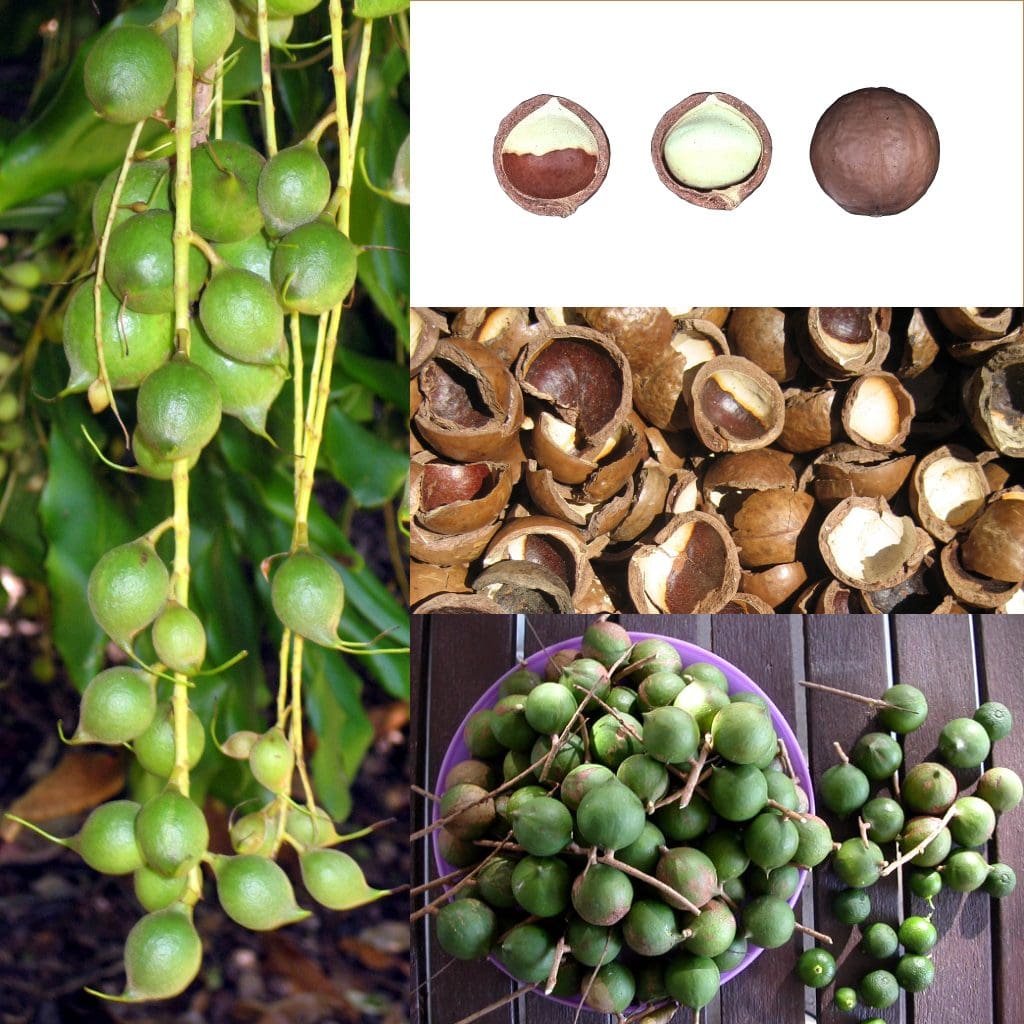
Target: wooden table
[958,660]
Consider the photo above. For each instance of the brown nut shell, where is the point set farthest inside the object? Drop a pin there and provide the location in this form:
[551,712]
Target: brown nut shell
[449,549]
[692,567]
[875,152]
[877,412]
[651,490]
[459,604]
[550,155]
[948,489]
[995,545]
[524,588]
[994,398]
[770,525]
[977,591]
[427,580]
[471,406]
[425,328]
[865,545]
[775,585]
[452,498]
[759,334]
[728,195]
[846,471]
[841,342]
[730,477]
[976,323]
[735,405]
[920,346]
[642,332]
[746,604]
[811,420]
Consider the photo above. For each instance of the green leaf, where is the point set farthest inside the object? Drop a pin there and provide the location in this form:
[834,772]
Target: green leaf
[379,8]
[383,377]
[81,524]
[333,699]
[369,467]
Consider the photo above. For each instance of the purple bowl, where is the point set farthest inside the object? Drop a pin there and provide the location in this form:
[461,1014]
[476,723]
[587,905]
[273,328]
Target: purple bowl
[458,751]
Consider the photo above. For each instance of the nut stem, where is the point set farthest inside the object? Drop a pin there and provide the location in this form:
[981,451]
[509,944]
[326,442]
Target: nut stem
[874,702]
[820,936]
[905,858]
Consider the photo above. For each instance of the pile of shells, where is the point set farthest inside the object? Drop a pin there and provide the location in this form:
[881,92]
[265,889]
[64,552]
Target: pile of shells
[717,460]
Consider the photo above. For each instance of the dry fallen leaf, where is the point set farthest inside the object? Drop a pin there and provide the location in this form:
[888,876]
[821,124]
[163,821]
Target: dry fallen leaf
[80,781]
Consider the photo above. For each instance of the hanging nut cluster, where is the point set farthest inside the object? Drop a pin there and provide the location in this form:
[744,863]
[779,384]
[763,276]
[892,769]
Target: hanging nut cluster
[717,460]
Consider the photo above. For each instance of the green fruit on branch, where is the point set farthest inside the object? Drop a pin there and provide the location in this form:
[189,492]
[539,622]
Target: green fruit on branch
[468,810]
[162,955]
[703,702]
[549,708]
[613,738]
[151,463]
[510,727]
[308,597]
[128,74]
[241,316]
[313,268]
[254,833]
[606,642]
[127,588]
[294,187]
[335,880]
[917,831]
[527,952]
[907,710]
[738,792]
[494,883]
[172,833]
[252,254]
[743,734]
[1000,787]
[140,263]
[155,891]
[814,841]
[247,390]
[213,28]
[647,778]
[147,184]
[844,788]
[543,825]
[154,748]
[256,893]
[689,872]
[134,344]
[272,761]
[541,885]
[973,821]
[225,175]
[179,409]
[313,831]
[106,841]
[711,931]
[965,871]
[884,818]
[179,639]
[859,864]
[118,705]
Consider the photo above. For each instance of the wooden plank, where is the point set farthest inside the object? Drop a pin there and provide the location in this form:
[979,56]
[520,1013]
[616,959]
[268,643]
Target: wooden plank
[936,653]
[852,653]
[695,629]
[1001,672]
[466,655]
[763,647]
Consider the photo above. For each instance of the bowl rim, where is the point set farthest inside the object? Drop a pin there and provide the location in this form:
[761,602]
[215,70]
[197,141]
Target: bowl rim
[457,751]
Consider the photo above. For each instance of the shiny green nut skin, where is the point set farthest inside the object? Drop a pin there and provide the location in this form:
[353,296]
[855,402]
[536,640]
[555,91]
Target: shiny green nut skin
[925,884]
[995,719]
[965,871]
[815,841]
[606,642]
[918,935]
[692,981]
[527,952]
[549,708]
[884,818]
[1001,881]
[844,789]
[703,672]
[851,906]
[591,944]
[613,738]
[964,743]
[644,851]
[703,702]
[612,989]
[602,895]
[907,711]
[162,954]
[179,409]
[313,268]
[543,826]
[1000,787]
[743,734]
[479,735]
[738,792]
[657,656]
[541,885]
[711,931]
[581,780]
[858,865]
[645,777]
[650,928]
[769,921]
[929,788]
[877,755]
[689,872]
[294,187]
[660,690]
[734,955]
[466,928]
[681,824]
[846,999]
[521,681]
[879,940]
[107,840]
[919,829]
[670,735]
[128,74]
[509,724]
[610,816]
[494,883]
[584,676]
[879,990]
[568,756]
[127,588]
[816,967]
[771,840]
[915,973]
[117,705]
[973,821]
[725,850]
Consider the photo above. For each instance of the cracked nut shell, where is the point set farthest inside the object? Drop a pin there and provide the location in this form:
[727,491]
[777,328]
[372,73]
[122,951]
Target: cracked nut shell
[550,155]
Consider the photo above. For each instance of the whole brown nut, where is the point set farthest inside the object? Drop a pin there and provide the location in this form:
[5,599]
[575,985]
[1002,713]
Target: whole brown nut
[776,584]
[712,150]
[550,155]
[875,152]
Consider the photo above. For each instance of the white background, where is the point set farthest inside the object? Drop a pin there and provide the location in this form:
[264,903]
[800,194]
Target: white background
[634,242]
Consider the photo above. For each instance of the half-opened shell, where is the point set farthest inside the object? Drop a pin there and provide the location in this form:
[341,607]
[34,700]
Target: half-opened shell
[845,341]
[691,567]
[948,489]
[971,588]
[995,545]
[524,588]
[994,398]
[867,546]
[452,498]
[769,526]
[776,584]
[735,405]
[812,420]
[760,334]
[846,471]
[877,412]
